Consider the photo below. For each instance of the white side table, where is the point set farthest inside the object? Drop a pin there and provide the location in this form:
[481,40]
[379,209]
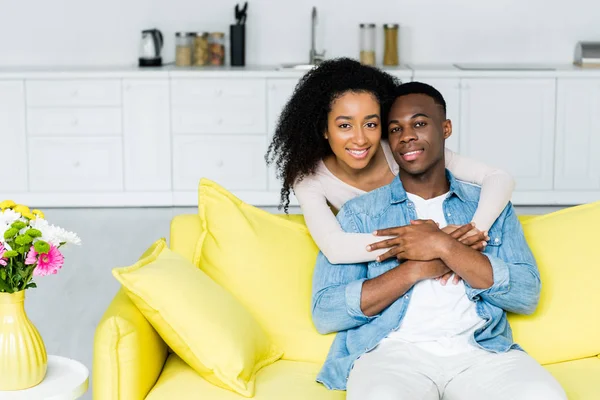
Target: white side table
[65,379]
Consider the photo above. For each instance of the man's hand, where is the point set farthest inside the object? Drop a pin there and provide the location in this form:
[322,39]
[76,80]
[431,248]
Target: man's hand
[414,240]
[433,269]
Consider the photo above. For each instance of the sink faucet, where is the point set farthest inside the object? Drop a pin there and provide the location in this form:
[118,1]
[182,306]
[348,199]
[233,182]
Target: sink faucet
[314,57]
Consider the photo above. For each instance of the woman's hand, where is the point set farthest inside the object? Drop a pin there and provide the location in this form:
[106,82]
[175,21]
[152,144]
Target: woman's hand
[403,234]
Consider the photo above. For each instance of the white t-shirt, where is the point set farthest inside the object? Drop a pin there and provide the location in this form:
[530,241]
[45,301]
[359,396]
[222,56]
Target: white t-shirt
[439,319]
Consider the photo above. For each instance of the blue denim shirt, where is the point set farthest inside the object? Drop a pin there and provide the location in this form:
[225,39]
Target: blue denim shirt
[337,288]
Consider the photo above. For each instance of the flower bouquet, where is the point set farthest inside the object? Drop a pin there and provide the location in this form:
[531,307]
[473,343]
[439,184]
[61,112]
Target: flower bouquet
[29,246]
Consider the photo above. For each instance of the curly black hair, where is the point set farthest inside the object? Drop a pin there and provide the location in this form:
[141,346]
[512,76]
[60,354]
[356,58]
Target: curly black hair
[298,142]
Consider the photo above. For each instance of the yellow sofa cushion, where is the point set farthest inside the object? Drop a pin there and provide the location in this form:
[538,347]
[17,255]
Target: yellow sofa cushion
[566,324]
[266,261]
[283,380]
[198,319]
[579,378]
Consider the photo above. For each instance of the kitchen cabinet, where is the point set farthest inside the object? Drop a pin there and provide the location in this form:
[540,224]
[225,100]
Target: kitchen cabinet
[578,135]
[279,92]
[13,140]
[131,137]
[450,90]
[509,123]
[146,135]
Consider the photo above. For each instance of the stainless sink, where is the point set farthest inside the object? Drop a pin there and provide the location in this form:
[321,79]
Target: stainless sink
[503,67]
[298,67]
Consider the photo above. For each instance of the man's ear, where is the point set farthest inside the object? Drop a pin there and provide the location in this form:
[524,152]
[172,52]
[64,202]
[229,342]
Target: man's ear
[447,128]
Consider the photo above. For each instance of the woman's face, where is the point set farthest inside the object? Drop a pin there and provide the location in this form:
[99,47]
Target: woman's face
[354,128]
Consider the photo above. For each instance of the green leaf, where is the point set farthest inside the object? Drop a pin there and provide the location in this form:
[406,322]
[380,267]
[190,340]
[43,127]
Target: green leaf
[4,287]
[2,273]
[31,285]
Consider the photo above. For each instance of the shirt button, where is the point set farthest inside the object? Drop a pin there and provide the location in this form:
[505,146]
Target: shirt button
[406,296]
[449,214]
[497,240]
[410,204]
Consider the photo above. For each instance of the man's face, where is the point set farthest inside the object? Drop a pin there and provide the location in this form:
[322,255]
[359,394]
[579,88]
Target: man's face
[417,131]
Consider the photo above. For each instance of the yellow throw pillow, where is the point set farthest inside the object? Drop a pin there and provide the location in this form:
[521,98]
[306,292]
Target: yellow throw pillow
[266,262]
[199,320]
[566,324]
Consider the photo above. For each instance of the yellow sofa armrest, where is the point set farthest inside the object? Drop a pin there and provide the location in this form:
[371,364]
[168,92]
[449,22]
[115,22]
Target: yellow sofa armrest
[128,353]
[185,232]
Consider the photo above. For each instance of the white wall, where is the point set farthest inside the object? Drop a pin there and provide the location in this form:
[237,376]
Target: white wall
[83,32]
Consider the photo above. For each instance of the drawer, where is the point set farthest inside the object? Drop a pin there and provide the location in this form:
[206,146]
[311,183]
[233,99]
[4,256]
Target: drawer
[250,119]
[75,164]
[74,121]
[217,92]
[66,93]
[235,162]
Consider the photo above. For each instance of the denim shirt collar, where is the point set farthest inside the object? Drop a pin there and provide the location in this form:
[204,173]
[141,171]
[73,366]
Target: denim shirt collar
[398,194]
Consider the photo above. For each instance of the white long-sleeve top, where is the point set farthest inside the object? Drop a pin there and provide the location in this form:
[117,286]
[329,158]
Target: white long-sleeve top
[317,192]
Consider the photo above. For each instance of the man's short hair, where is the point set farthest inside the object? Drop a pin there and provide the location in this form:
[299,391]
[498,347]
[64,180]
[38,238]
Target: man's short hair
[422,88]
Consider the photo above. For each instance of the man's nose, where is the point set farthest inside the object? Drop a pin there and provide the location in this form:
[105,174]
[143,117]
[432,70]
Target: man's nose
[408,135]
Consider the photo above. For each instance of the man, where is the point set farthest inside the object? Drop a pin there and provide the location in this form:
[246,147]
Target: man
[403,335]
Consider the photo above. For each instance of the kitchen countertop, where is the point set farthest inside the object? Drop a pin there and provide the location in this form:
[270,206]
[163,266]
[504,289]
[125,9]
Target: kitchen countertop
[491,70]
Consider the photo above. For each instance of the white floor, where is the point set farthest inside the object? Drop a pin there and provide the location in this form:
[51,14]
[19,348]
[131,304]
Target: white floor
[66,307]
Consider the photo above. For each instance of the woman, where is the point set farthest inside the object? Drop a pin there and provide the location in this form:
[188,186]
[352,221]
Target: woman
[329,147]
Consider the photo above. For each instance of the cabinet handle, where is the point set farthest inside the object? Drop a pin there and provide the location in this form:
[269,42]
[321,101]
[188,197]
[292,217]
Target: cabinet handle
[74,122]
[220,163]
[219,92]
[220,121]
[76,164]
[74,93]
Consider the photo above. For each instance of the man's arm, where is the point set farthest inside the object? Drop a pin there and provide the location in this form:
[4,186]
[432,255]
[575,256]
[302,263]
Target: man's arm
[517,283]
[343,297]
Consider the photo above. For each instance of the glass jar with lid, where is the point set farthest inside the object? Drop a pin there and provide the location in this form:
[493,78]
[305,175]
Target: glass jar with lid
[183,49]
[216,45]
[200,48]
[367,44]
[390,54]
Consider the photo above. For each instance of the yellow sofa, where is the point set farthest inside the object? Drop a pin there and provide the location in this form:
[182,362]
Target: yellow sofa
[132,362]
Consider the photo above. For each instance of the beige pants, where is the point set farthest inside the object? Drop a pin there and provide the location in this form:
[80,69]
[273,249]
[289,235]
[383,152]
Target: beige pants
[401,371]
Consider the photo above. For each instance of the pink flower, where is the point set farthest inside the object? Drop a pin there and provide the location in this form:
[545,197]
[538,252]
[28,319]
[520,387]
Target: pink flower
[2,251]
[47,263]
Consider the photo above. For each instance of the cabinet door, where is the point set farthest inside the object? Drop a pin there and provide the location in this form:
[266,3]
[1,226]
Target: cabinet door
[279,92]
[450,89]
[147,137]
[12,137]
[76,165]
[509,123]
[235,162]
[578,134]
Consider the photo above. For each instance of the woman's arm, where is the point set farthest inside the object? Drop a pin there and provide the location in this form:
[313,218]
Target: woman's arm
[338,246]
[496,187]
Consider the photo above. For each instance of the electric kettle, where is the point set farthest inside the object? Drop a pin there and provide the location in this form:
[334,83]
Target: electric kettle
[150,48]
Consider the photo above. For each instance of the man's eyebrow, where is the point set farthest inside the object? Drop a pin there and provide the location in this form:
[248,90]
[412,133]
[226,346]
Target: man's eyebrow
[419,115]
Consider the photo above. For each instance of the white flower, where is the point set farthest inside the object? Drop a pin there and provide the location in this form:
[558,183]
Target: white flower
[8,216]
[63,236]
[3,228]
[54,234]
